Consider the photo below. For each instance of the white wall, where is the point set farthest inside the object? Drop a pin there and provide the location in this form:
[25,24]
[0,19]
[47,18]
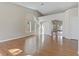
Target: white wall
[70,23]
[12,20]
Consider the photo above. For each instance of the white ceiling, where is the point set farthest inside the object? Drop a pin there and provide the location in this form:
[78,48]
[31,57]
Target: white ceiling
[48,7]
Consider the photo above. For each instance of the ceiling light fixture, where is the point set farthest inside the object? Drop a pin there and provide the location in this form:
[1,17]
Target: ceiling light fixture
[42,4]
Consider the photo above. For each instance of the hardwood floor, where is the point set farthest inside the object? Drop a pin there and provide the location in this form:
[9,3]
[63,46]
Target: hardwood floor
[35,46]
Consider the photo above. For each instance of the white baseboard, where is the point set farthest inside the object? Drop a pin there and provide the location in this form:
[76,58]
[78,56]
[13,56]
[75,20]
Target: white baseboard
[21,36]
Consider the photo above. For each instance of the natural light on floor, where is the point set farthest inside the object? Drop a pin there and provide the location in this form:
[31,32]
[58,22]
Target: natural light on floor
[15,51]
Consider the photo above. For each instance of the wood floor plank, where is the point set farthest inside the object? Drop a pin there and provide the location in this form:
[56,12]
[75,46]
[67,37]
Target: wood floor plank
[40,47]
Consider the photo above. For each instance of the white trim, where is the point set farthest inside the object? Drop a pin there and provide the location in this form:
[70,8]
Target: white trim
[16,37]
[70,38]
